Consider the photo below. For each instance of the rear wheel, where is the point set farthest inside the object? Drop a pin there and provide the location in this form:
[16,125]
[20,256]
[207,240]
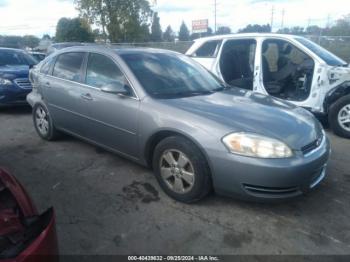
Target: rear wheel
[181,169]
[43,123]
[339,117]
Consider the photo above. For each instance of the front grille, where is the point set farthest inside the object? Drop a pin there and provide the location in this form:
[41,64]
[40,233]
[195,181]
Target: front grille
[312,146]
[273,191]
[23,83]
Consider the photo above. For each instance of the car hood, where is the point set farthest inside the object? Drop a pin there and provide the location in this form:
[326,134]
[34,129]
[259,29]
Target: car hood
[12,72]
[246,111]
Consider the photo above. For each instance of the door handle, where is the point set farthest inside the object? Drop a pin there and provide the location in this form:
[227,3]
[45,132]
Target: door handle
[87,97]
[48,84]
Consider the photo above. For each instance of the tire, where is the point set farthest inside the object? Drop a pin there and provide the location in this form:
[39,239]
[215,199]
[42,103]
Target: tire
[191,161]
[43,123]
[341,108]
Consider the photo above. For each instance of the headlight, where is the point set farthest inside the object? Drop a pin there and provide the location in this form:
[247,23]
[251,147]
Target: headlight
[5,82]
[256,146]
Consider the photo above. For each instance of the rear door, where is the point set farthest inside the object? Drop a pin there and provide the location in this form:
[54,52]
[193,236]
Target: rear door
[64,93]
[113,119]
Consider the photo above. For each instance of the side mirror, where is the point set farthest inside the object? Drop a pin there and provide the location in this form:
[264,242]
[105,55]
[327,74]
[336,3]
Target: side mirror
[116,88]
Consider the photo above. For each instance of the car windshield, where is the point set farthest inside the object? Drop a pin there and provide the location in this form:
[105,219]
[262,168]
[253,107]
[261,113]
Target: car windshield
[167,75]
[324,54]
[9,58]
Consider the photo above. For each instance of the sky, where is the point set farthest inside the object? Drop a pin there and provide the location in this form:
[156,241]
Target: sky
[38,17]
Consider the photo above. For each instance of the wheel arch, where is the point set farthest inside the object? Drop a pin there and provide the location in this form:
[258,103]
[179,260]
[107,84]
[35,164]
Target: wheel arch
[335,94]
[160,135]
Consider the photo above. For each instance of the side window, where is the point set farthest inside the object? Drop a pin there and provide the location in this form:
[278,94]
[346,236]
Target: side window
[68,66]
[102,71]
[208,49]
[45,69]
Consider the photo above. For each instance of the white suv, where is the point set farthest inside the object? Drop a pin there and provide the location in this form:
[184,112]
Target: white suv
[289,67]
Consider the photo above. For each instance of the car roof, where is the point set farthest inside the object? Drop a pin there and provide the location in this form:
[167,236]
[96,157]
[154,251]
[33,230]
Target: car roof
[244,35]
[117,50]
[11,49]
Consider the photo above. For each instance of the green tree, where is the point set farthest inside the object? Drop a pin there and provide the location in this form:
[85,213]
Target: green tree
[30,41]
[123,20]
[223,30]
[313,30]
[256,29]
[169,34]
[184,34]
[46,37]
[156,30]
[341,28]
[11,41]
[74,30]
[297,30]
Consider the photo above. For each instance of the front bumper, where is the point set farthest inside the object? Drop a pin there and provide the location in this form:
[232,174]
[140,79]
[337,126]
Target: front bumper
[268,179]
[13,95]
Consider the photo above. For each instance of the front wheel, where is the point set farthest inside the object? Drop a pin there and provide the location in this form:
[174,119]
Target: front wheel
[181,169]
[339,117]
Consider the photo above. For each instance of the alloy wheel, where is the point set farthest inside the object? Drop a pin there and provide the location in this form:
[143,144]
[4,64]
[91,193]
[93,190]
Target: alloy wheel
[344,117]
[42,121]
[177,171]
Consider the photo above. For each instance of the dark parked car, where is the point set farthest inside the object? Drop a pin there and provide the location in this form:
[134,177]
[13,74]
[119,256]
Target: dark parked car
[25,236]
[162,109]
[14,70]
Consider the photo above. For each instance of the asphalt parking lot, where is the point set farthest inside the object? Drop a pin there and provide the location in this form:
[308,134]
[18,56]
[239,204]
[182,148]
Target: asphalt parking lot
[108,205]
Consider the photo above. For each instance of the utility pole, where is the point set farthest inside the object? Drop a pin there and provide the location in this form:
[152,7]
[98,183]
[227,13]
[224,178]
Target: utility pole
[215,11]
[282,22]
[272,17]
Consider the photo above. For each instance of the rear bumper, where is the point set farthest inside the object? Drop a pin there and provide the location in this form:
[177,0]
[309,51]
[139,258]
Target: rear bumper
[269,179]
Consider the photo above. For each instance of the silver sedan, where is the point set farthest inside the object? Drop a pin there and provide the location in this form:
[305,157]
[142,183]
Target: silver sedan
[162,109]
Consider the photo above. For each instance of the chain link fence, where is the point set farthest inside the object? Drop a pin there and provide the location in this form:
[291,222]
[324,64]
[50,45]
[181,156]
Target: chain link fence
[339,45]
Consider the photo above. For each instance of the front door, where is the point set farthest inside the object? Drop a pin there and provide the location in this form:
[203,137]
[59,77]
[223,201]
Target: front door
[113,119]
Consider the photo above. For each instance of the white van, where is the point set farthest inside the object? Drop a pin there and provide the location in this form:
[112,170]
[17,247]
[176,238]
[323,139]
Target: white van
[288,67]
